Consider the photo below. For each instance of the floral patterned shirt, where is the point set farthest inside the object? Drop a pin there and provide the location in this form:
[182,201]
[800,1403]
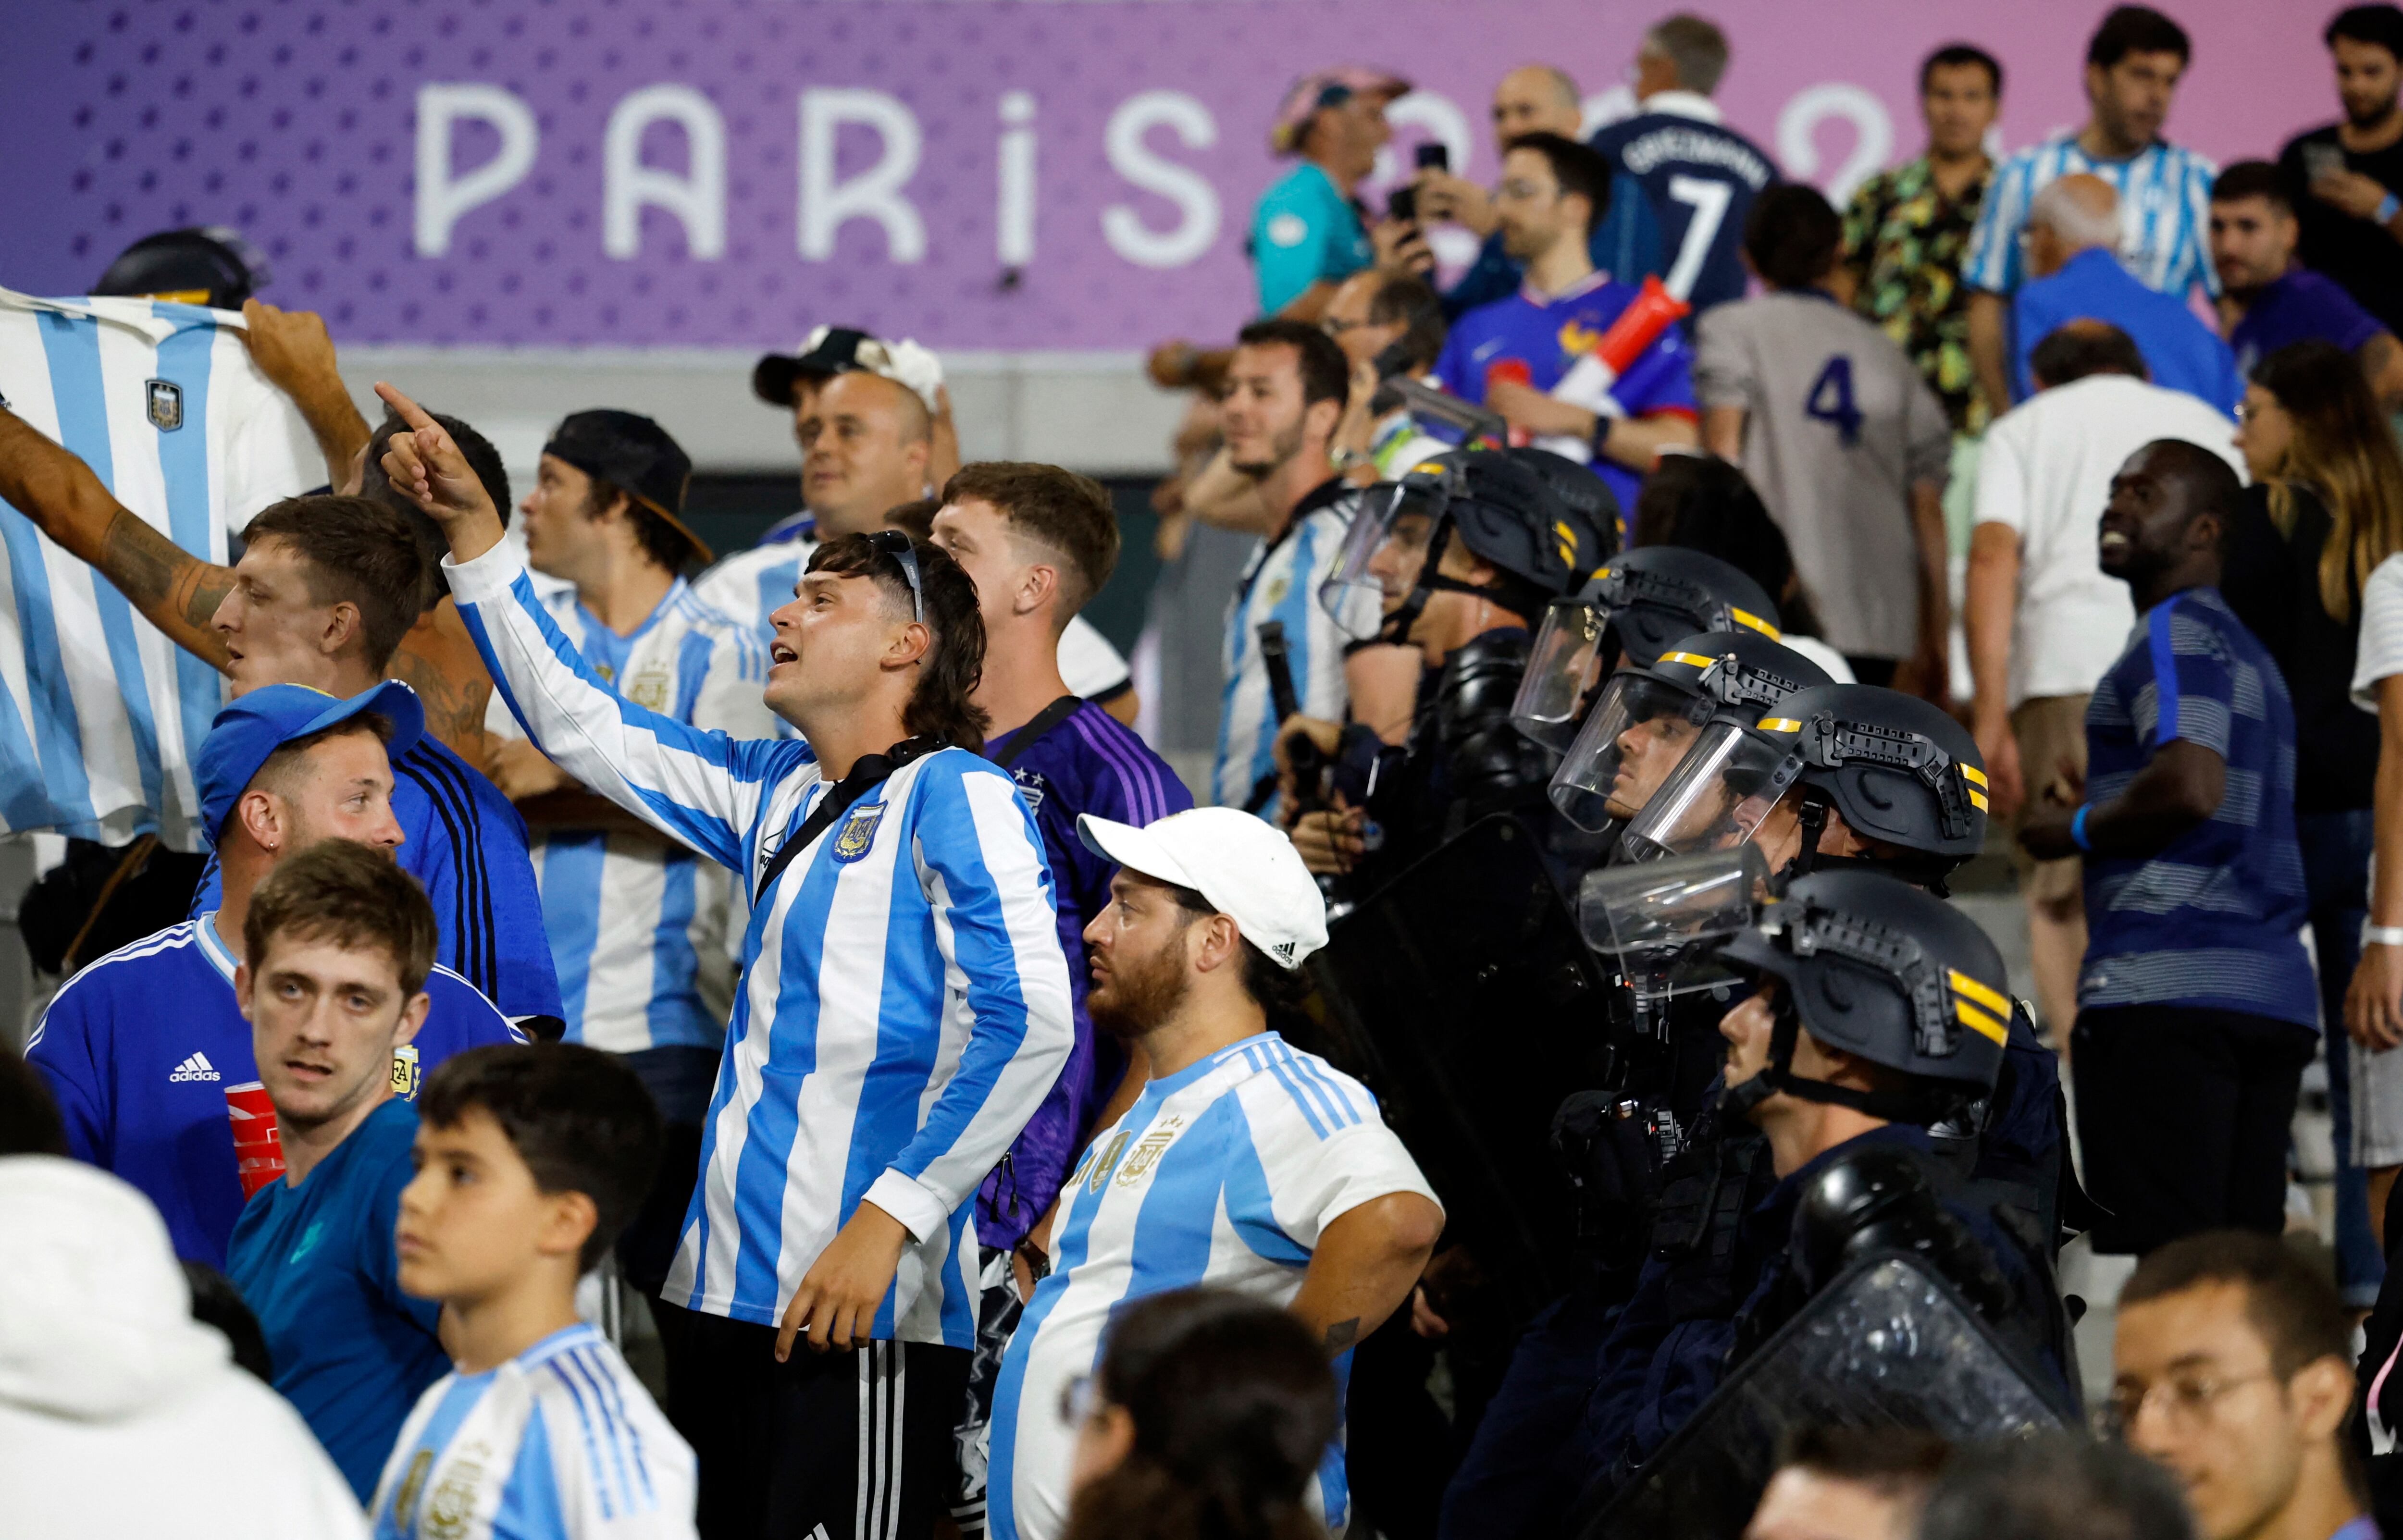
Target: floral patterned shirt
[1905,242]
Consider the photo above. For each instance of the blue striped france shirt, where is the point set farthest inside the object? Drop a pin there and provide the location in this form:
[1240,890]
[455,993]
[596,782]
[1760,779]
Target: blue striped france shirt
[99,712]
[2164,214]
[639,932]
[2214,918]
[1227,1174]
[904,1005]
[560,1443]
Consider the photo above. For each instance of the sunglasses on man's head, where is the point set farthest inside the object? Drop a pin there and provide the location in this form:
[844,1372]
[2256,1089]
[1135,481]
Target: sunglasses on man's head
[895,544]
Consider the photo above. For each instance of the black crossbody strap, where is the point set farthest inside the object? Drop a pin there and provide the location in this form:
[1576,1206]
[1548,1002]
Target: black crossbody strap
[871,772]
[1045,720]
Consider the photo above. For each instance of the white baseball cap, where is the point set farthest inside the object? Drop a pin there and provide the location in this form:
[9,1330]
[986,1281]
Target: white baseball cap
[1244,865]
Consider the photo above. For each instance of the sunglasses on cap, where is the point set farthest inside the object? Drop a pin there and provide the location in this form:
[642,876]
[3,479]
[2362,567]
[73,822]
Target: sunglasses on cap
[895,544]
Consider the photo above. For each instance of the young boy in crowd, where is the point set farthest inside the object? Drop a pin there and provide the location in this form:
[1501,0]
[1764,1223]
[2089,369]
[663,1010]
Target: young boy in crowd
[529,1163]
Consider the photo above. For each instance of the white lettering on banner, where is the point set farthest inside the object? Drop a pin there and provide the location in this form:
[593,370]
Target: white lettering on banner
[440,200]
[1798,136]
[827,203]
[696,199]
[1196,200]
[1013,220]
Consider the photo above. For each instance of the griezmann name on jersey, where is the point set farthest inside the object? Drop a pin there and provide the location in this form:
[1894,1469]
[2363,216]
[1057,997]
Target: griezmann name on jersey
[904,1004]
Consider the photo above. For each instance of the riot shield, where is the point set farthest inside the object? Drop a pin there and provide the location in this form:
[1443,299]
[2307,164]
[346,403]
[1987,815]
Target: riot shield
[1463,995]
[1889,1343]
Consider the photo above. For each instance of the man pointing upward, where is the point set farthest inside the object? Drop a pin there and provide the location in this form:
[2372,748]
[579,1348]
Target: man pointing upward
[904,1004]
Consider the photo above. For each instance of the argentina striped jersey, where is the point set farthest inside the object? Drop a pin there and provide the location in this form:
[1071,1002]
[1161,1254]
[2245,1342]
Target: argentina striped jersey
[1225,1173]
[1281,583]
[560,1443]
[2164,214]
[99,712]
[904,1004]
[752,585]
[639,931]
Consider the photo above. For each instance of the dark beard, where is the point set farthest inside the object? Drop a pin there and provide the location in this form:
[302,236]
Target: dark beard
[1141,996]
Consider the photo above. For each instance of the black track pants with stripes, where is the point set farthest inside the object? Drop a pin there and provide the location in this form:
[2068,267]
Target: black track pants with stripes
[833,1445]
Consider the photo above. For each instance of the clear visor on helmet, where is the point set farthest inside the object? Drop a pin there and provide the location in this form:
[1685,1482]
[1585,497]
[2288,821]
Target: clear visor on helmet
[1561,667]
[1384,552]
[1664,920]
[1715,797]
[1636,735]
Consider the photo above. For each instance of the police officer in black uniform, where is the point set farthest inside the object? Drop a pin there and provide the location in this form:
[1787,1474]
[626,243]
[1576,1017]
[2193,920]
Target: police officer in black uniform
[1880,1012]
[1466,551]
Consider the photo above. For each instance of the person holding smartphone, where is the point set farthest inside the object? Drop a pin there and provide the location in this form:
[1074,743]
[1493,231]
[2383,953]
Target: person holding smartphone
[1625,241]
[2351,173]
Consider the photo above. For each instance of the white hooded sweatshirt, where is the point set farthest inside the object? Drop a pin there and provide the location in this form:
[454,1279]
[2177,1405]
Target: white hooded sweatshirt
[119,1415]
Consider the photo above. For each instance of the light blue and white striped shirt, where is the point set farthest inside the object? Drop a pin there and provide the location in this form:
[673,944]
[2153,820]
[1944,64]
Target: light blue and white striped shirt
[904,1004]
[2164,214]
[1281,583]
[99,712]
[560,1443]
[640,934]
[1225,1173]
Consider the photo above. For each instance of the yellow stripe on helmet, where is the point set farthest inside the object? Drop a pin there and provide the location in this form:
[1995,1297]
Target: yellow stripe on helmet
[1745,618]
[1972,774]
[1696,659]
[1978,801]
[1780,724]
[1992,1000]
[1980,1022]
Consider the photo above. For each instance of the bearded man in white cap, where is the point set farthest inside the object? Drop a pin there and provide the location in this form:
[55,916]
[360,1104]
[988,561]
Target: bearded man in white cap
[1245,1164]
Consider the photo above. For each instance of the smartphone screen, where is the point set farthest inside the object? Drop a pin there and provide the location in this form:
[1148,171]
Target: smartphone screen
[1436,155]
[2321,161]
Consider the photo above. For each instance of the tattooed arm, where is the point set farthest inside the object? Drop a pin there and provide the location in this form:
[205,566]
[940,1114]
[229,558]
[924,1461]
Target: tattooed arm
[175,590]
[1366,1263]
[438,660]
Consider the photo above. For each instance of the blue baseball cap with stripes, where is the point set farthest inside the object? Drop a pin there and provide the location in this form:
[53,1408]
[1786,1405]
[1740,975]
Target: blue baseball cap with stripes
[247,733]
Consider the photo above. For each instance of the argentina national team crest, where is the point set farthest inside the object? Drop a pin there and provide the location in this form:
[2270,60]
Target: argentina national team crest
[858,832]
[165,399]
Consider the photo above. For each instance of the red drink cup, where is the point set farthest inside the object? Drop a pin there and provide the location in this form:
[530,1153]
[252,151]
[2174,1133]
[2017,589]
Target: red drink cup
[257,1147]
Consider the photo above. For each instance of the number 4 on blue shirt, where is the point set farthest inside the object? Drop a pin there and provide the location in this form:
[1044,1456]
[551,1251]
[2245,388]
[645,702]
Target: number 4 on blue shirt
[1831,399]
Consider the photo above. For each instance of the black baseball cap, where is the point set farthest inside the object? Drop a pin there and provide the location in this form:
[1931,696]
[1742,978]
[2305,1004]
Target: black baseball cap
[637,456]
[825,352]
[204,265]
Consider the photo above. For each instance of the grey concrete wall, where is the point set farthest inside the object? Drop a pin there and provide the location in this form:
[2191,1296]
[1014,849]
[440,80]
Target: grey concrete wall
[1094,411]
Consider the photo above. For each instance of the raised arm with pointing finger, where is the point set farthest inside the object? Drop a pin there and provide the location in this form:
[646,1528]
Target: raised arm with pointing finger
[903,985]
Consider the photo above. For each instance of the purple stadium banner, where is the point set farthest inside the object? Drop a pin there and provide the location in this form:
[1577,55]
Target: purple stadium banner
[978,173]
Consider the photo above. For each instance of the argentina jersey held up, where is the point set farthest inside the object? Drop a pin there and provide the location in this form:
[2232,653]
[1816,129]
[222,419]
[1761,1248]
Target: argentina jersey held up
[904,1004]
[100,714]
[1225,1173]
[560,1443]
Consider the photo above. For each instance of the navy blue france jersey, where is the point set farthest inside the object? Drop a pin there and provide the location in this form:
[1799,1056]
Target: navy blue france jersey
[1702,177]
[467,846]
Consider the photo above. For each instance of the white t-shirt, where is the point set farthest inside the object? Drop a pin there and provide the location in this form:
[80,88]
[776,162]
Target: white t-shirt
[2380,651]
[2045,472]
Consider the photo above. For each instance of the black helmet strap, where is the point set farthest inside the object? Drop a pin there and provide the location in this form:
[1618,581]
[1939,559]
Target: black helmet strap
[1920,1106]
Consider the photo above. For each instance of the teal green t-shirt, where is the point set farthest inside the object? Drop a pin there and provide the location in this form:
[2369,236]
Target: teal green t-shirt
[1305,229]
[315,1264]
